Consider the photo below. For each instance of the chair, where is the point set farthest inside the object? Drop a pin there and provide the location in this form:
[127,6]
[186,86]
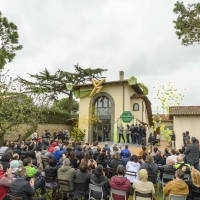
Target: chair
[118,192]
[14,197]
[143,195]
[186,177]
[97,189]
[65,183]
[81,188]
[50,185]
[165,179]
[152,177]
[177,197]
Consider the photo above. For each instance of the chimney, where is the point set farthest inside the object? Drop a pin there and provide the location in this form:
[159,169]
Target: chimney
[121,75]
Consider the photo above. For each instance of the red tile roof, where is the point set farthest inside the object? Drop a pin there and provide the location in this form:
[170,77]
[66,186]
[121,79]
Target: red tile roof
[164,117]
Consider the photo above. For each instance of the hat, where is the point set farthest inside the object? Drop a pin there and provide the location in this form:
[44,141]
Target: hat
[143,175]
[14,163]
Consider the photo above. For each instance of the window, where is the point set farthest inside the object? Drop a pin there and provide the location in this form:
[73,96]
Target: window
[135,106]
[103,106]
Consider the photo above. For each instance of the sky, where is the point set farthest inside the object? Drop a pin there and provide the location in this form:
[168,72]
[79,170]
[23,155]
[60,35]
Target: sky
[137,37]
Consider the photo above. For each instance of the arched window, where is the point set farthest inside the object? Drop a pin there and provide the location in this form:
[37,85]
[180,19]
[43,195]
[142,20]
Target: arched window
[135,106]
[103,106]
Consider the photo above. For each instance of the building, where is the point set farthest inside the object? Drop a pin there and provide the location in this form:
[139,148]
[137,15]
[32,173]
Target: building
[114,102]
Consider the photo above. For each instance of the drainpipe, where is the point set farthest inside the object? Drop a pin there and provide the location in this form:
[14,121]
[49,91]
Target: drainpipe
[123,96]
[142,109]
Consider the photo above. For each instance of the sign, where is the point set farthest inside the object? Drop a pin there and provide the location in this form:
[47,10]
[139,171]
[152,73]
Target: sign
[126,116]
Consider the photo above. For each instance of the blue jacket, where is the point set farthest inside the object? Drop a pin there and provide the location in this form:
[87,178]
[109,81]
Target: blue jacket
[125,153]
[58,154]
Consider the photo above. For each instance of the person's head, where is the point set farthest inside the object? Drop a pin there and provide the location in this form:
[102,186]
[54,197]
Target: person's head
[5,143]
[180,151]
[127,126]
[106,144]
[173,132]
[86,156]
[177,152]
[149,158]
[14,164]
[52,162]
[22,172]
[38,148]
[166,150]
[120,170]
[158,153]
[187,132]
[15,156]
[195,175]
[193,139]
[171,162]
[66,162]
[183,134]
[83,167]
[155,149]
[179,159]
[57,148]
[99,170]
[173,152]
[115,148]
[179,174]
[99,149]
[143,175]
[187,141]
[10,152]
[73,155]
[117,155]
[144,148]
[126,146]
[27,162]
[134,158]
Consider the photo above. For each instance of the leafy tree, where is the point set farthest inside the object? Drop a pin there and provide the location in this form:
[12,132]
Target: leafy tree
[9,41]
[187,23]
[61,82]
[63,104]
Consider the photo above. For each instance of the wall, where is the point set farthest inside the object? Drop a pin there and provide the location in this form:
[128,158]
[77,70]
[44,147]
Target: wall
[166,124]
[184,123]
[41,127]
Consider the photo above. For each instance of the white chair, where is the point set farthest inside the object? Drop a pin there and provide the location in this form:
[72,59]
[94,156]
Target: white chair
[118,192]
[97,189]
[177,197]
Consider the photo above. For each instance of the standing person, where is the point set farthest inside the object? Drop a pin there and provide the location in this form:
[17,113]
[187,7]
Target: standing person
[120,132]
[141,132]
[173,139]
[187,136]
[128,132]
[184,139]
[133,136]
[192,153]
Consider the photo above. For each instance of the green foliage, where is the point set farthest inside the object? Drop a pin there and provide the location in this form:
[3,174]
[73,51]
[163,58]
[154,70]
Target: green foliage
[78,134]
[9,41]
[187,23]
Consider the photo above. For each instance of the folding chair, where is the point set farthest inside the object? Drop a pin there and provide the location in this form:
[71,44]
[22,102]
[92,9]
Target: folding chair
[152,177]
[14,197]
[65,186]
[143,195]
[118,192]
[165,179]
[186,177]
[50,185]
[97,189]
[177,197]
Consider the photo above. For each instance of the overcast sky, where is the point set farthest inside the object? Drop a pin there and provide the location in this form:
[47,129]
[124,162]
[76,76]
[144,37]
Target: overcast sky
[136,36]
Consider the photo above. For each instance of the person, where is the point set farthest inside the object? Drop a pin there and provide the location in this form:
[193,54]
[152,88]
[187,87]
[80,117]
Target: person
[51,148]
[173,156]
[149,165]
[128,133]
[102,160]
[187,136]
[166,155]
[98,178]
[177,186]
[94,147]
[120,133]
[133,134]
[57,153]
[91,163]
[158,159]
[116,161]
[184,139]
[119,182]
[141,135]
[82,176]
[142,151]
[173,139]
[22,188]
[126,152]
[73,160]
[133,166]
[114,149]
[143,185]
[193,185]
[66,172]
[5,161]
[192,153]
[180,163]
[46,154]
[4,148]
[96,153]
[153,153]
[51,169]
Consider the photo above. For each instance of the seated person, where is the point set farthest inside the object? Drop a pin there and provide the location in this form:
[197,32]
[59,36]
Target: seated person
[180,163]
[5,159]
[149,164]
[57,153]
[143,185]
[125,153]
[22,188]
[5,181]
[66,172]
[158,159]
[98,178]
[116,161]
[51,169]
[142,151]
[177,186]
[194,185]
[102,160]
[82,176]
[119,182]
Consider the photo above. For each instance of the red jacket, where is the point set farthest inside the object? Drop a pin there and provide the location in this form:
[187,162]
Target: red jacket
[3,190]
[51,148]
[120,183]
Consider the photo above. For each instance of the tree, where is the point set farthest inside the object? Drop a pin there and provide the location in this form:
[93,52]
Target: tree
[9,41]
[63,104]
[61,82]
[187,23]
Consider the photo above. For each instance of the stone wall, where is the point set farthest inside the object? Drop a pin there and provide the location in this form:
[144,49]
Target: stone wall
[13,135]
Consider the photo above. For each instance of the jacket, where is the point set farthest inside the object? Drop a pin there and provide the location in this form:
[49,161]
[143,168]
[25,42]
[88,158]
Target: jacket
[120,183]
[21,188]
[46,154]
[102,160]
[177,187]
[167,169]
[143,187]
[101,181]
[125,153]
[31,171]
[51,171]
[3,149]
[58,154]
[192,153]
[194,192]
[51,148]
[158,160]
[150,167]
[115,162]
[5,162]
[67,173]
[134,167]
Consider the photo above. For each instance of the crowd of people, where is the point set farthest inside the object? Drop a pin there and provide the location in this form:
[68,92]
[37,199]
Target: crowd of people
[24,167]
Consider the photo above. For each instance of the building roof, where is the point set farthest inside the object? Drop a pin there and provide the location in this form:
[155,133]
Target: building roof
[148,106]
[135,87]
[164,117]
[184,111]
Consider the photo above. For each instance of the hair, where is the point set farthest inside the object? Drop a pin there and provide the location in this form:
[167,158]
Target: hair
[166,150]
[26,161]
[98,172]
[73,155]
[117,155]
[144,148]
[120,169]
[38,148]
[127,126]
[180,173]
[15,156]
[149,158]
[187,141]
[171,162]
[83,167]
[66,162]
[173,151]
[197,141]
[52,162]
[115,148]
[155,149]
[21,171]
[181,151]
[195,174]
[10,152]
[187,132]
[179,159]
[45,147]
[98,149]
[193,139]
[86,156]
[134,158]
[126,146]
[177,152]
[183,134]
